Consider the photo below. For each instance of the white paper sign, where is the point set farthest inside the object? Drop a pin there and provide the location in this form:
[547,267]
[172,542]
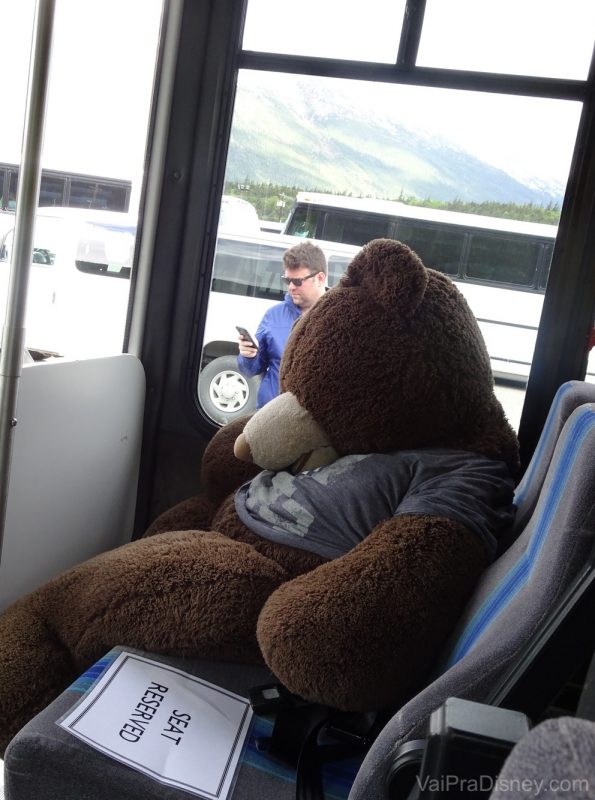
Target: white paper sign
[179,729]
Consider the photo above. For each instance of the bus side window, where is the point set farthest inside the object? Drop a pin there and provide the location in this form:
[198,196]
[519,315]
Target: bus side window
[247,269]
[546,262]
[355,229]
[269,269]
[503,259]
[227,275]
[234,269]
[269,281]
[337,266]
[438,247]
[52,191]
[304,222]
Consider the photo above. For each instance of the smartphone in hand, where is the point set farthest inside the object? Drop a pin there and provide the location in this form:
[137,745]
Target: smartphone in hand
[247,335]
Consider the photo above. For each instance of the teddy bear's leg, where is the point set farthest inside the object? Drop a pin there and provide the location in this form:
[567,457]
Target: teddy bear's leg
[362,631]
[186,593]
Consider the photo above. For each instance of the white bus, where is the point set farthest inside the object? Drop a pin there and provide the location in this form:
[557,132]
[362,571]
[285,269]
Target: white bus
[500,265]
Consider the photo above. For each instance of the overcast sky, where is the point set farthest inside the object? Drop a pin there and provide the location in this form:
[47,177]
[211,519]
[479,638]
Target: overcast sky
[103,61]
[103,57]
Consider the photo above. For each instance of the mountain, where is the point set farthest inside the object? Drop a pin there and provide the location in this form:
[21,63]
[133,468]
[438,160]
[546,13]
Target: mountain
[294,131]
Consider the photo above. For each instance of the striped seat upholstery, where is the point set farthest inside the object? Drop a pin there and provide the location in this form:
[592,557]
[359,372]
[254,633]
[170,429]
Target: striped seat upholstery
[522,561]
[513,597]
[569,396]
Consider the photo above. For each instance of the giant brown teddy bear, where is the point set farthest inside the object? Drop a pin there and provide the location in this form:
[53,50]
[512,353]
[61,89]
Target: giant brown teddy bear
[388,472]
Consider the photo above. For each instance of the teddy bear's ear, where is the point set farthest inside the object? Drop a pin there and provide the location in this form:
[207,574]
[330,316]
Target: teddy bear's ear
[392,273]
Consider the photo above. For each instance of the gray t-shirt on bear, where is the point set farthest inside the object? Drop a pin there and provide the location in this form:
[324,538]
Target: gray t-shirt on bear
[331,509]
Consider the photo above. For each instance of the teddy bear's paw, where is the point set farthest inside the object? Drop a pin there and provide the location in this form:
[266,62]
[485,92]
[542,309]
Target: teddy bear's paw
[311,656]
[362,631]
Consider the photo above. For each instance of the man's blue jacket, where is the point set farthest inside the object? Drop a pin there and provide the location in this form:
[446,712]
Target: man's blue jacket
[271,335]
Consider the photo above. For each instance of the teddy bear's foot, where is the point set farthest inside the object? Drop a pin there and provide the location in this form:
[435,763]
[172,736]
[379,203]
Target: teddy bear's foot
[184,593]
[34,667]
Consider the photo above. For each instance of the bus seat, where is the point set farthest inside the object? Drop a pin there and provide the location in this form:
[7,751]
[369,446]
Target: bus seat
[570,395]
[516,595]
[555,759]
[43,761]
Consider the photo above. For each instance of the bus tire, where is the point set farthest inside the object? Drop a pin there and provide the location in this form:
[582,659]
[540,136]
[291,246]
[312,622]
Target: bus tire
[224,393]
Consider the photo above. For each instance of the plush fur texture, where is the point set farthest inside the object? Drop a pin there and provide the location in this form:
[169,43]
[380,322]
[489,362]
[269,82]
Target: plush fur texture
[410,334]
[391,359]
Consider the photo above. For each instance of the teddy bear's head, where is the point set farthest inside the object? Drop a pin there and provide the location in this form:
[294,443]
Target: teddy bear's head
[390,359]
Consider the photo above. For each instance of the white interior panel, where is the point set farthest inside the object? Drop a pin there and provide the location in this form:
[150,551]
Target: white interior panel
[75,460]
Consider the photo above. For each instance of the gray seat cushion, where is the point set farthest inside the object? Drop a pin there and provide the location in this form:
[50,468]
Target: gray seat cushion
[555,760]
[45,762]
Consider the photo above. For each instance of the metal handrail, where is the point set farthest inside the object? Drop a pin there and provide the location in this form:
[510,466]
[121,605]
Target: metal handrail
[13,332]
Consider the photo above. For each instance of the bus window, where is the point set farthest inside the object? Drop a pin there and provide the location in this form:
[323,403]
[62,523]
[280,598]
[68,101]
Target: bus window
[83,194]
[503,259]
[8,189]
[74,306]
[113,197]
[352,229]
[248,268]
[62,188]
[437,247]
[546,261]
[337,266]
[52,191]
[304,222]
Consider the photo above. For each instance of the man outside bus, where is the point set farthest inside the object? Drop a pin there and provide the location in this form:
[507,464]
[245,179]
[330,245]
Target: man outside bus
[305,272]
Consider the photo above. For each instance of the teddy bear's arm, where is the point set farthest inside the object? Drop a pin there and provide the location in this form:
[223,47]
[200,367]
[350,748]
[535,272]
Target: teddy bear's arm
[361,631]
[221,474]
[195,513]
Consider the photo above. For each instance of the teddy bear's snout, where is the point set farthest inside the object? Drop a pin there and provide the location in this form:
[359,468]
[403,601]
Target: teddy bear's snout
[241,449]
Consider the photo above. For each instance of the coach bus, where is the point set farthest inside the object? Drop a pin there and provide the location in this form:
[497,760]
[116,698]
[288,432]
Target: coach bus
[500,265]
[60,188]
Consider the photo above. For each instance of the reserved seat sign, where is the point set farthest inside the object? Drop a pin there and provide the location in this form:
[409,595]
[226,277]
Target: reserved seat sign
[179,729]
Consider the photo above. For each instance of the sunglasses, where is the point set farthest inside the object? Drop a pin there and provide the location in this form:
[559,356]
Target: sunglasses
[298,281]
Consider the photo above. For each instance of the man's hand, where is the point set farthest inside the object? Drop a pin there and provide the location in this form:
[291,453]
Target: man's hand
[246,348]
